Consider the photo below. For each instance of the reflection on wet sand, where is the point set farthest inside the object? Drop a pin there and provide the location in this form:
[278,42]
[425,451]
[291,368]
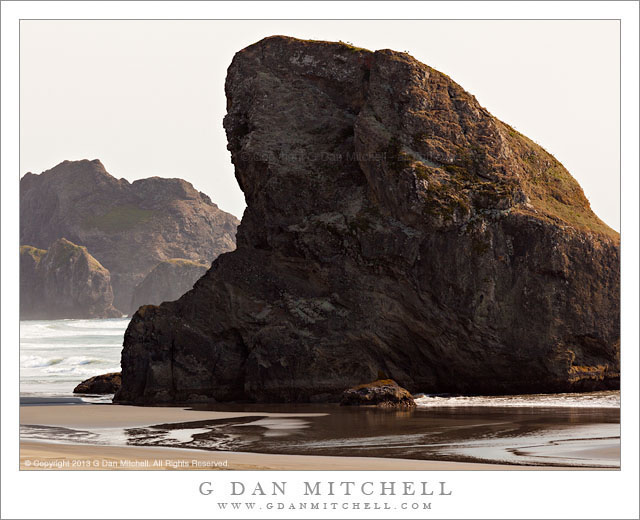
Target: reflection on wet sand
[534,436]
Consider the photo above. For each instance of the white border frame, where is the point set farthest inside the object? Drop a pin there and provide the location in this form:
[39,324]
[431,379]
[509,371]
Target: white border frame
[544,494]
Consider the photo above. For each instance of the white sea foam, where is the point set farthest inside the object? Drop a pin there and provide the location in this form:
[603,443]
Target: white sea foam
[57,355]
[79,370]
[38,361]
[607,399]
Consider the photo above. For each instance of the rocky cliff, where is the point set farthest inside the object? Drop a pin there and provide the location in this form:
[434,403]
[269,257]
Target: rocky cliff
[167,282]
[393,225]
[64,281]
[128,227]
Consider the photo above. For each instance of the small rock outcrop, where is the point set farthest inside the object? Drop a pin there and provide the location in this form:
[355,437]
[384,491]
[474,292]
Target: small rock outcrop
[128,227]
[64,281]
[392,225]
[167,282]
[102,384]
[384,393]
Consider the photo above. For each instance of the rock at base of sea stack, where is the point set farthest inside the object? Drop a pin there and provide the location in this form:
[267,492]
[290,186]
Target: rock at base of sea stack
[384,393]
[102,384]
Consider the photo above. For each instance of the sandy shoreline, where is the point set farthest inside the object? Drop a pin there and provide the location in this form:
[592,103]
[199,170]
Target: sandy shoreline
[48,454]
[121,416]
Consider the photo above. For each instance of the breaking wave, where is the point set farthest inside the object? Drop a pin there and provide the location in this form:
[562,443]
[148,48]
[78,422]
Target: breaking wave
[57,355]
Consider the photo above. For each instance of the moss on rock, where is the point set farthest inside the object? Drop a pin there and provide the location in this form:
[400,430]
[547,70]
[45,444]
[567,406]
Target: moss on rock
[33,252]
[119,218]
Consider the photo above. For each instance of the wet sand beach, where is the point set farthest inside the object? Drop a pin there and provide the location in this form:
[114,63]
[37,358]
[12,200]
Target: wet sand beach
[90,415]
[53,456]
[316,437]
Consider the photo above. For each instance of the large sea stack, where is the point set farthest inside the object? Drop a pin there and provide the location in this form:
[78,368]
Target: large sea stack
[128,227]
[393,225]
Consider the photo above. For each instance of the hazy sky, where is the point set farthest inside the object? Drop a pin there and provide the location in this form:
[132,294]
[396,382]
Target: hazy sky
[147,97]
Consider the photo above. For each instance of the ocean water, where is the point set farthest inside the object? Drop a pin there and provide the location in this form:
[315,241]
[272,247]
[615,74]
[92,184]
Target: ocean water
[605,399]
[56,355]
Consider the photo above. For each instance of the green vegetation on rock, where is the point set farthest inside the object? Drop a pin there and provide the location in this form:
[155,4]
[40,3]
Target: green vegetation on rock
[352,47]
[475,180]
[552,189]
[184,262]
[119,218]
[62,251]
[34,252]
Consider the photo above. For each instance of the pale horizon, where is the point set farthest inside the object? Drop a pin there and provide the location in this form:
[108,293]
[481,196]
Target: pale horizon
[147,99]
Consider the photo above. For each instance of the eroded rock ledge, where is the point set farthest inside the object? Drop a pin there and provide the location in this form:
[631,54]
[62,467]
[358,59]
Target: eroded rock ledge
[393,225]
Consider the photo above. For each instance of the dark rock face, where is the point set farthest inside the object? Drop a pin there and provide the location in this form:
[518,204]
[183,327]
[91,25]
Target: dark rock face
[64,281]
[384,393]
[128,227]
[102,384]
[392,225]
[167,282]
